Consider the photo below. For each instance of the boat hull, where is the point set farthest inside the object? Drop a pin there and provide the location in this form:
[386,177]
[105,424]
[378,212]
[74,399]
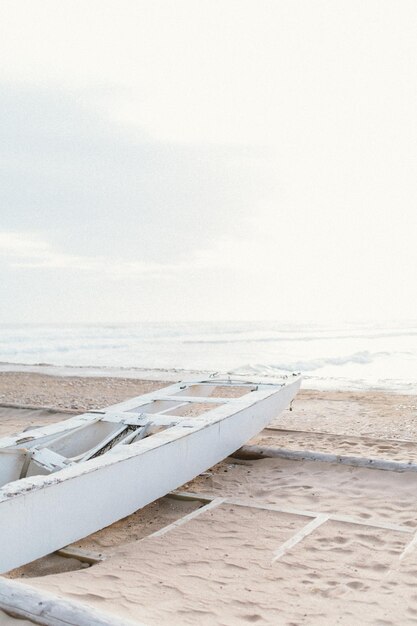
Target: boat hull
[41,514]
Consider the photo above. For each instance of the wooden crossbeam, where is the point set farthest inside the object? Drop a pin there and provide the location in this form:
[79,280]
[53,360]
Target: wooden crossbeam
[199,399]
[357,438]
[49,460]
[183,520]
[85,556]
[299,536]
[263,452]
[334,517]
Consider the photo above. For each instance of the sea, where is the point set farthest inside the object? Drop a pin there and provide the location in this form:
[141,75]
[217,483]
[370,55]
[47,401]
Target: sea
[349,355]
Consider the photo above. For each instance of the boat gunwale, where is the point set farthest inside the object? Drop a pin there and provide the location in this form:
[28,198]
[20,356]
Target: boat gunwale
[171,434]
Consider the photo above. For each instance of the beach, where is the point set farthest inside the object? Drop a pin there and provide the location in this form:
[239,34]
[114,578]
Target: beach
[234,560]
[208,344]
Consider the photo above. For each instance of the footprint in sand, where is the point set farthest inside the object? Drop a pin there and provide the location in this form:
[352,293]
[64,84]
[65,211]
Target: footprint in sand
[356,584]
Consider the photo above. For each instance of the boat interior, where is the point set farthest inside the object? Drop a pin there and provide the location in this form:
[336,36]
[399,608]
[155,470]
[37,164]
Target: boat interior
[42,451]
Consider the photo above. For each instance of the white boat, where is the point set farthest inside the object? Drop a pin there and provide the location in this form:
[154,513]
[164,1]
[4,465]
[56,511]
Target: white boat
[62,482]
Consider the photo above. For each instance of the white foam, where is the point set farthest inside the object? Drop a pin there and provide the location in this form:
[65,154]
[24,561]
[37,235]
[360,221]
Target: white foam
[333,356]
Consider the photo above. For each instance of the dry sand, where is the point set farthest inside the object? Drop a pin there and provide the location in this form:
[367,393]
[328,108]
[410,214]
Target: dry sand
[221,567]
[72,393]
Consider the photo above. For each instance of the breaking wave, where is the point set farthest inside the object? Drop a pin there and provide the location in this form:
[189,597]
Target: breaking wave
[359,356]
[312,365]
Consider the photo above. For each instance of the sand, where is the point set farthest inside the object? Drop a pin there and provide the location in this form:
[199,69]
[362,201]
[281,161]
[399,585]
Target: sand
[71,394]
[230,564]
[219,567]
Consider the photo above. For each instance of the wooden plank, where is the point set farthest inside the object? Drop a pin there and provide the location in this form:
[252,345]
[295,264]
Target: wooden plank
[199,399]
[347,519]
[304,532]
[334,517]
[262,452]
[189,496]
[35,407]
[372,523]
[339,436]
[183,520]
[143,419]
[42,607]
[85,556]
[409,547]
[49,460]
[71,425]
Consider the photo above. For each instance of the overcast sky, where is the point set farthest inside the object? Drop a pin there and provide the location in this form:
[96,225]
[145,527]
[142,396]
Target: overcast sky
[208,159]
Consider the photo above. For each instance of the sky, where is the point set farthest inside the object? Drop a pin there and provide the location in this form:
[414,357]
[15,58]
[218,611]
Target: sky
[207,160]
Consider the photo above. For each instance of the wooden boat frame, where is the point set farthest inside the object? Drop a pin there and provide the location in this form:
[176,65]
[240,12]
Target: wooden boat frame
[65,481]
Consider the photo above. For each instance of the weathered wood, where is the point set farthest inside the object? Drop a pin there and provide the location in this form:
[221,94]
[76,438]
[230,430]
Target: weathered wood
[189,496]
[85,556]
[34,407]
[358,438]
[335,517]
[197,399]
[41,607]
[183,520]
[48,460]
[299,536]
[410,547]
[263,452]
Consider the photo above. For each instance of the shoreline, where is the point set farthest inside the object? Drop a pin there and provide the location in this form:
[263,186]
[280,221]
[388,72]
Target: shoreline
[177,374]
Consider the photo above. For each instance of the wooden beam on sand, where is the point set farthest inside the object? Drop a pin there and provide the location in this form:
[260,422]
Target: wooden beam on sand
[85,556]
[42,607]
[211,504]
[410,547]
[263,452]
[333,517]
[189,496]
[34,407]
[344,436]
[299,536]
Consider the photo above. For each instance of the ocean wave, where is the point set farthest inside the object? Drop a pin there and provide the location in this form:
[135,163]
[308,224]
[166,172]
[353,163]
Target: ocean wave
[317,337]
[363,358]
[359,356]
